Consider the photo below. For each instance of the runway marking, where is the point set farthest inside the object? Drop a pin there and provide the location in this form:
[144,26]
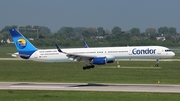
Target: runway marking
[35,87]
[40,87]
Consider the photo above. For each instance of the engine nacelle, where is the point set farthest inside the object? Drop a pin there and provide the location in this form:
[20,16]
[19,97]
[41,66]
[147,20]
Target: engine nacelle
[103,60]
[99,61]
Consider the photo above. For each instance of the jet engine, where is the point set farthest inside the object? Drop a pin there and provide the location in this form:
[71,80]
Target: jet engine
[102,60]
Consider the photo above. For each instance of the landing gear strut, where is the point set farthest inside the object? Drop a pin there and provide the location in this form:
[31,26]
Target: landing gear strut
[88,67]
[157,63]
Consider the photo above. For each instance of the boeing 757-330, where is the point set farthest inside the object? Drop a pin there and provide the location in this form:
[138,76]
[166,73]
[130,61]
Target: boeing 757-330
[91,56]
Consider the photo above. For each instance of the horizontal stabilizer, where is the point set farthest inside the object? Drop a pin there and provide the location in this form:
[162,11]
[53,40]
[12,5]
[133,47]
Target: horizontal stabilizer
[24,55]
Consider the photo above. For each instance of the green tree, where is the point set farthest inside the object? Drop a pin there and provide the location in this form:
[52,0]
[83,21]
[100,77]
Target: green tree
[163,30]
[135,31]
[100,31]
[134,38]
[28,27]
[78,30]
[107,32]
[43,30]
[172,30]
[66,32]
[6,28]
[5,36]
[89,32]
[116,30]
[151,31]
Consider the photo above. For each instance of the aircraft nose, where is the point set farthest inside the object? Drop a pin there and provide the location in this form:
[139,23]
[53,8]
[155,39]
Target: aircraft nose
[173,54]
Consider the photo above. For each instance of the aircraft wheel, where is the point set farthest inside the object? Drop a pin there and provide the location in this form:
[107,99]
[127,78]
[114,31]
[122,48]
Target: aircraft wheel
[84,68]
[156,65]
[88,67]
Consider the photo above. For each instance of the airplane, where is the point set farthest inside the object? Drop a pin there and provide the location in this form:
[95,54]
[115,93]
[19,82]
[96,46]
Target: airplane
[91,56]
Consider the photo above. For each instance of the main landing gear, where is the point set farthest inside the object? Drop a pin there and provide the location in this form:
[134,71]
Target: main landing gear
[88,67]
[157,63]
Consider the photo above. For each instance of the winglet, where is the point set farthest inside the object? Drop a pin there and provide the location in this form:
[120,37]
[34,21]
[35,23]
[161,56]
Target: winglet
[58,48]
[85,44]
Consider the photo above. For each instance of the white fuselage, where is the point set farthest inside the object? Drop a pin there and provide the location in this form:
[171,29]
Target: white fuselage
[133,52]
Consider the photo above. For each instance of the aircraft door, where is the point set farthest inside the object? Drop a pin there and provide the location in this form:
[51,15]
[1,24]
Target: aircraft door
[159,52]
[130,51]
[35,55]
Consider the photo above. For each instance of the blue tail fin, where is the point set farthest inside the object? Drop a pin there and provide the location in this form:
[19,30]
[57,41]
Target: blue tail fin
[85,44]
[24,47]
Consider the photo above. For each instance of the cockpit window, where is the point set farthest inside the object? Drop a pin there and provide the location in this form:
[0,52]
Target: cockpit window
[167,50]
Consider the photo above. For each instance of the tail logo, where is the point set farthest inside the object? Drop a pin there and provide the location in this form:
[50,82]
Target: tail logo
[21,43]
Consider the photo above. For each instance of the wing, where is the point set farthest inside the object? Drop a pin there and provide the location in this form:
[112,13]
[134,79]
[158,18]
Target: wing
[76,57]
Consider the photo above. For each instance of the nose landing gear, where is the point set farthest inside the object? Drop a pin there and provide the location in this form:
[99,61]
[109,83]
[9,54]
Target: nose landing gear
[157,63]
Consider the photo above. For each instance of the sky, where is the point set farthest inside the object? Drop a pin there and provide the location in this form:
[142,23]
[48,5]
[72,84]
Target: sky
[126,14]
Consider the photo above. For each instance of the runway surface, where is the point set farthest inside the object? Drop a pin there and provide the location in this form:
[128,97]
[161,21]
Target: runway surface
[91,87]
